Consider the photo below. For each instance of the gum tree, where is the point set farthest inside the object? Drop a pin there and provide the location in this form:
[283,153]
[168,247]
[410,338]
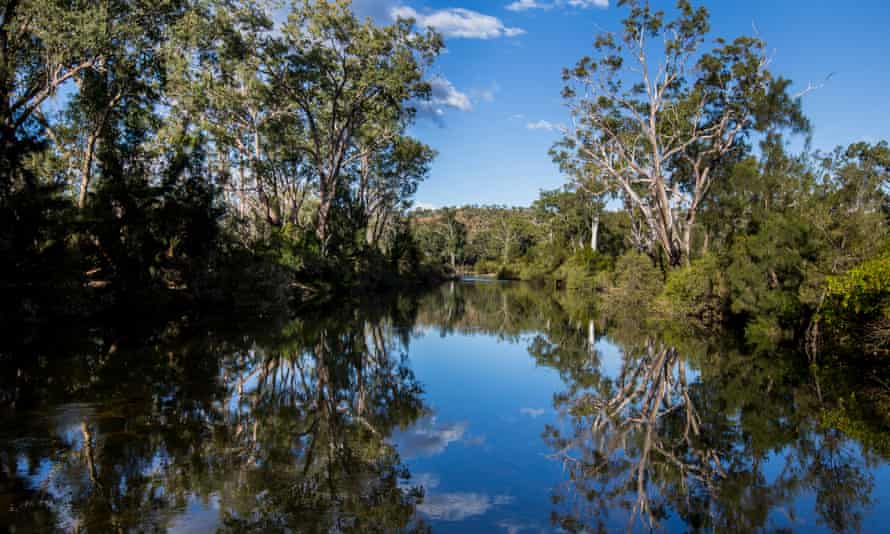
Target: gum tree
[658,116]
[350,84]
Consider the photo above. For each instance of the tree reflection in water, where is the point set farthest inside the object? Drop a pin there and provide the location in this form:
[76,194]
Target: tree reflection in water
[299,429]
[633,430]
[659,442]
[693,433]
[292,435]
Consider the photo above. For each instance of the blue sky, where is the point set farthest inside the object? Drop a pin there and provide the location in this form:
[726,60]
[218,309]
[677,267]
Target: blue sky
[501,74]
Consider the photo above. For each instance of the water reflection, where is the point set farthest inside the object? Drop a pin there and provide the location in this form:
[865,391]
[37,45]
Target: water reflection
[289,432]
[661,446]
[324,424]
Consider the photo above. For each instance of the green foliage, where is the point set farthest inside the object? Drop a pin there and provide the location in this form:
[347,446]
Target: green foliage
[766,272]
[863,291]
[581,269]
[635,284]
[695,292]
[200,157]
[857,305]
[487,266]
[549,242]
[665,139]
[542,262]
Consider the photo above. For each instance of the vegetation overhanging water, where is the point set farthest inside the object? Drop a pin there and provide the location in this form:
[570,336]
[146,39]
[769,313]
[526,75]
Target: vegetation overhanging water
[205,208]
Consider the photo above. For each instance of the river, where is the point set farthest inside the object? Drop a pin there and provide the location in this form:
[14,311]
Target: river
[476,407]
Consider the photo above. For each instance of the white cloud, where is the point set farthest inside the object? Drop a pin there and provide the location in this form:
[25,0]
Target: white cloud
[443,95]
[525,5]
[542,125]
[587,3]
[427,481]
[459,23]
[534,413]
[514,527]
[459,506]
[427,438]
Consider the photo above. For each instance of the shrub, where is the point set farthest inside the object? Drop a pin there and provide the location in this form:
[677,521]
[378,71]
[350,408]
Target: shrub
[580,270]
[863,291]
[858,303]
[635,284]
[696,291]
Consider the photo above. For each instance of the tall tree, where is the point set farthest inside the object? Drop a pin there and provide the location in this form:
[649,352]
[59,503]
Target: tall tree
[662,135]
[39,53]
[388,179]
[346,81]
[240,109]
[455,235]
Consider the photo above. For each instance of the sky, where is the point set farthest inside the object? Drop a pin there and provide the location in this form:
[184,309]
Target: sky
[497,85]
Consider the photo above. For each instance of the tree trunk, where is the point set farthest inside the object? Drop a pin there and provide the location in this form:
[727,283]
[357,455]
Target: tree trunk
[86,169]
[594,232]
[242,190]
[324,211]
[272,213]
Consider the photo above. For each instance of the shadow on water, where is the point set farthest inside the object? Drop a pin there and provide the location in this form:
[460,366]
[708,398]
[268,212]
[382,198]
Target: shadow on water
[296,425]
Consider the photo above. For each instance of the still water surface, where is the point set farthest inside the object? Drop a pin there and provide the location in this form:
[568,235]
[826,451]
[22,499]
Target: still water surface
[478,407]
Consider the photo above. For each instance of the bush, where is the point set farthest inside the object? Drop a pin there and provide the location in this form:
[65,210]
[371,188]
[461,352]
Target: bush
[636,283]
[581,269]
[543,261]
[696,291]
[858,304]
[864,291]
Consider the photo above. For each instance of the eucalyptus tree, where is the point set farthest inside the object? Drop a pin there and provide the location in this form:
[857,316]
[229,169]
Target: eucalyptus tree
[230,93]
[38,55]
[571,217]
[512,231]
[661,135]
[455,233]
[97,61]
[350,85]
[44,45]
[860,173]
[387,181]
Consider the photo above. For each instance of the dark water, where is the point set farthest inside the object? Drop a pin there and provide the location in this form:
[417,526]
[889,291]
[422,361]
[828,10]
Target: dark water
[479,407]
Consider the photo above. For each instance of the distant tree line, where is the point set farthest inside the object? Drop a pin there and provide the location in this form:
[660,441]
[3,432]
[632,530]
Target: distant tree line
[191,150]
[521,242]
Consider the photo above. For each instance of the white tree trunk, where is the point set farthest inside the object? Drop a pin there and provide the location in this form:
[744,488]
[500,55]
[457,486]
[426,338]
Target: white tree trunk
[594,232]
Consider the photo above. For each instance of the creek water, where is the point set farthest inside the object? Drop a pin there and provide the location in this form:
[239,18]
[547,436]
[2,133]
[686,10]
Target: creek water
[477,407]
